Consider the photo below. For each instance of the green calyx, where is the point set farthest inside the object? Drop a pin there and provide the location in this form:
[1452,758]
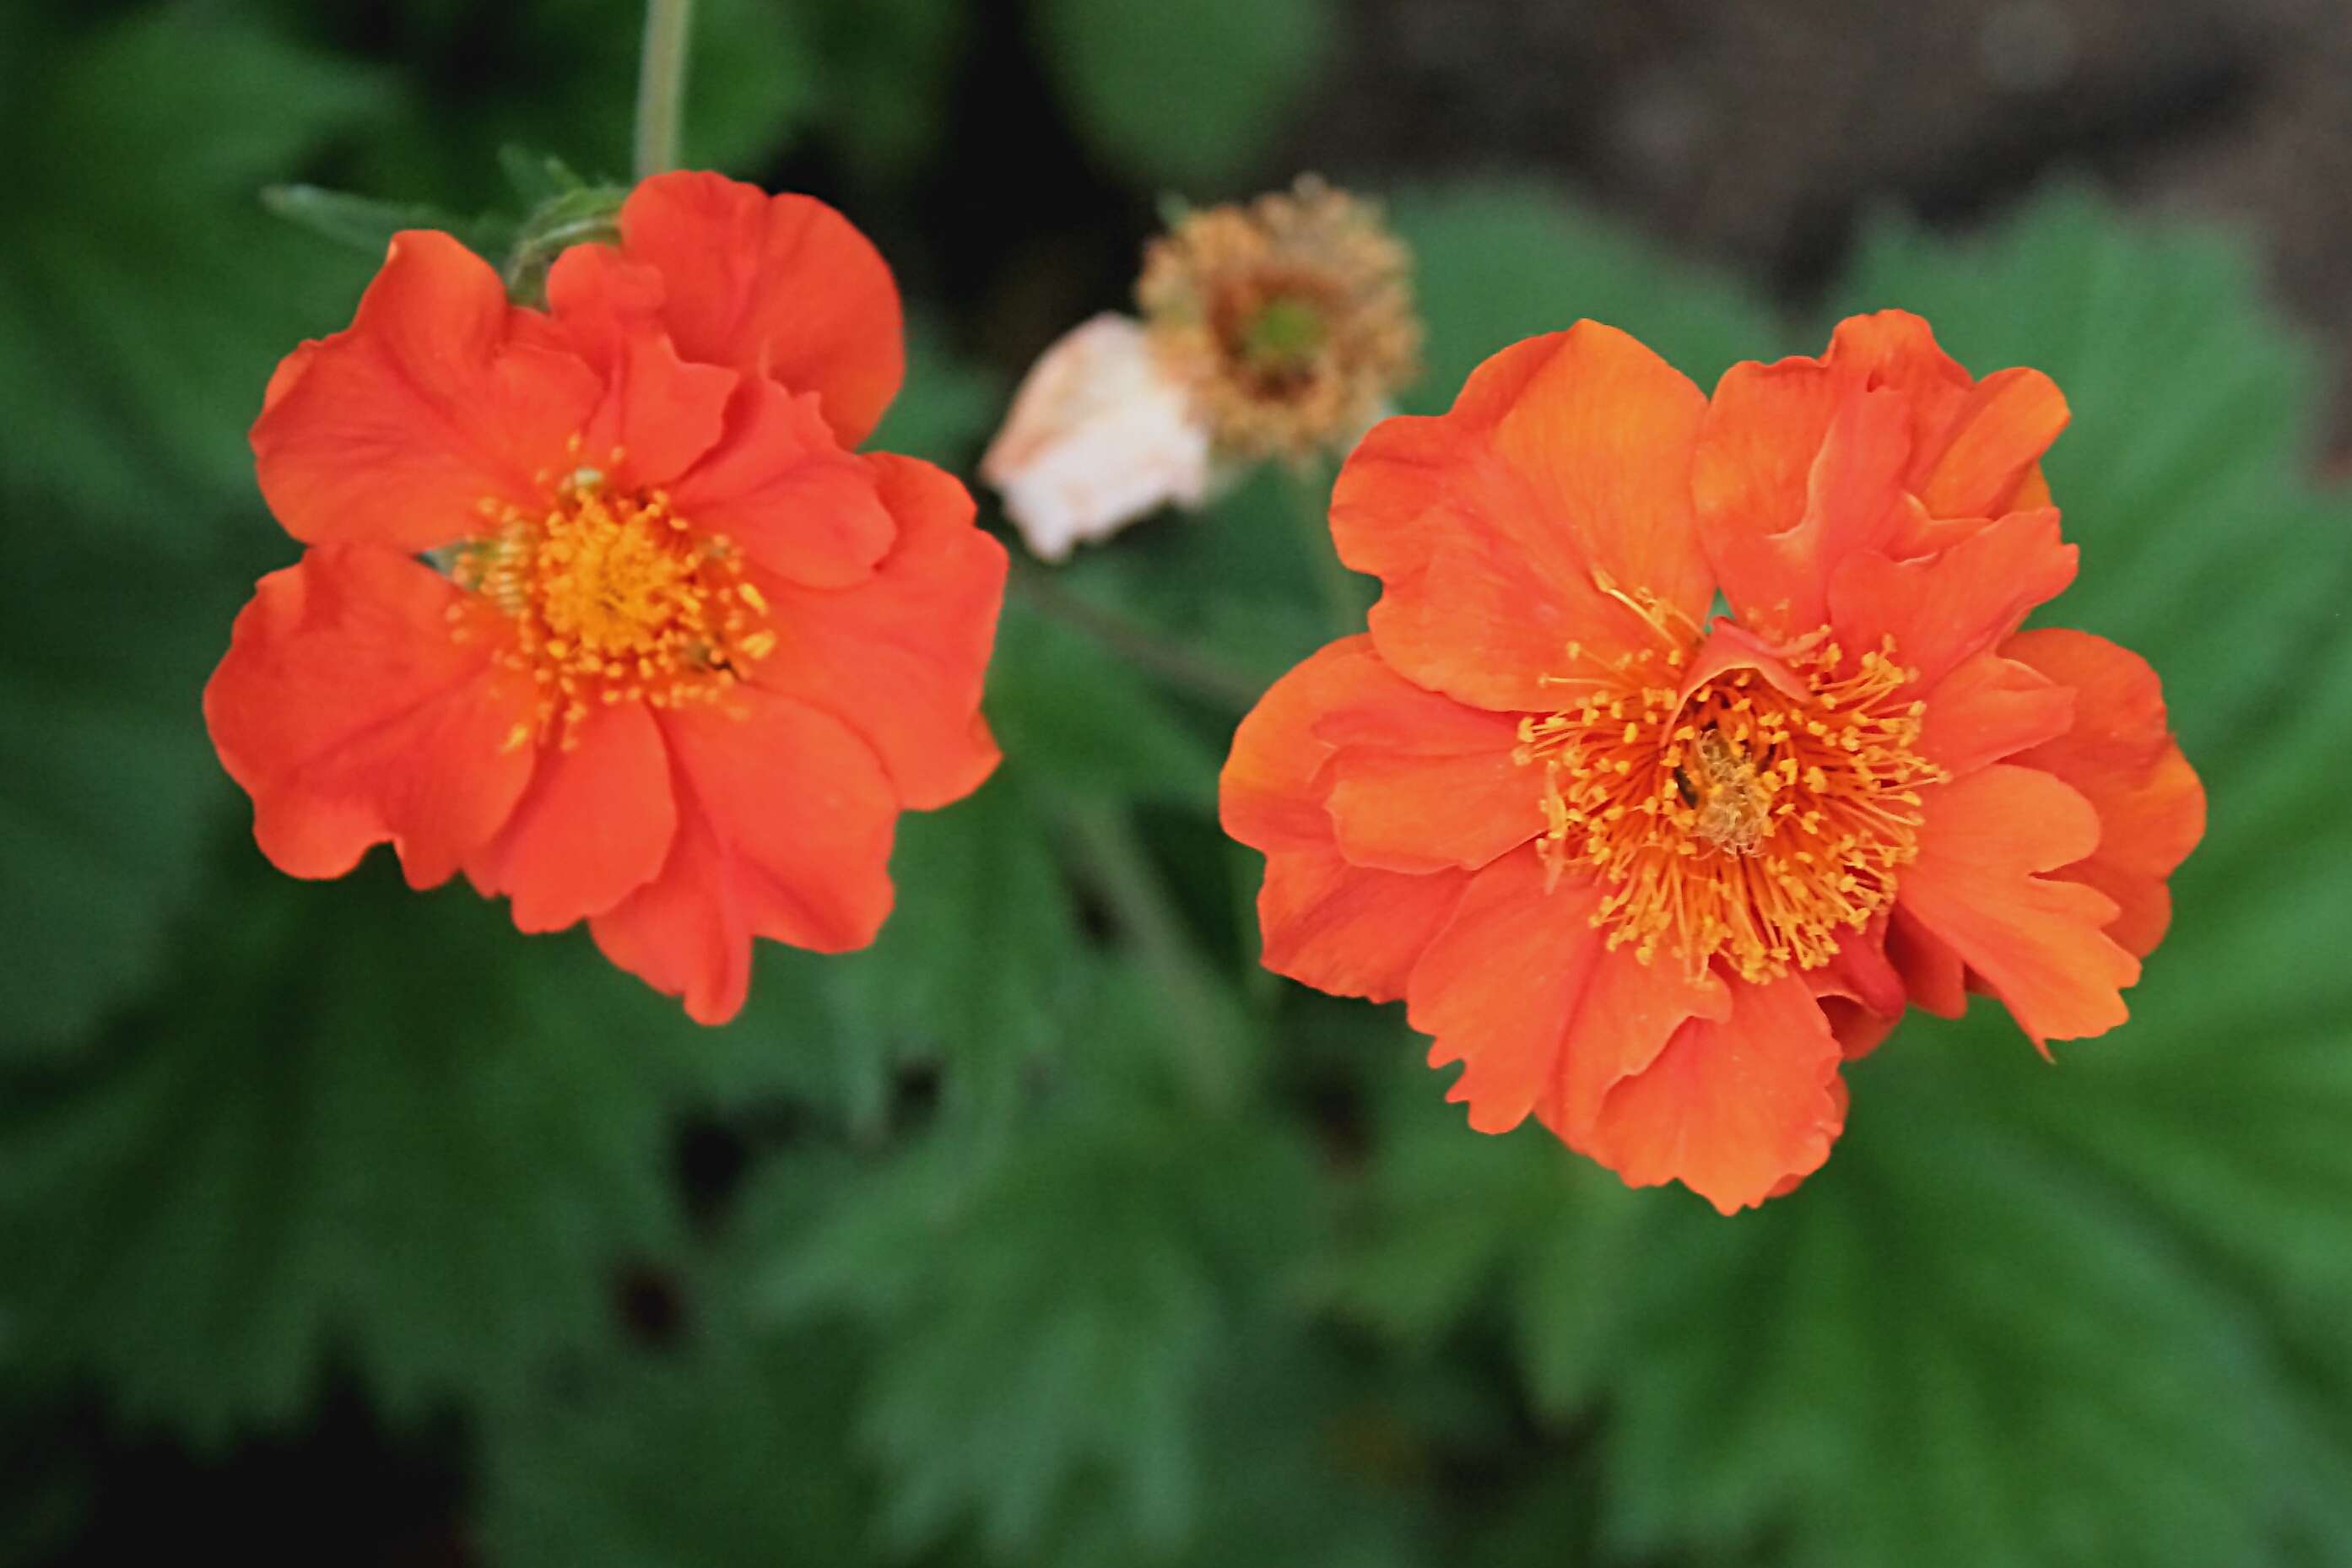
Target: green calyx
[589,215]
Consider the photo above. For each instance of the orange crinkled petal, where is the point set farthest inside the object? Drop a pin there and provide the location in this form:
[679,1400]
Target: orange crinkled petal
[1346,928]
[2122,757]
[1941,609]
[393,431]
[1498,529]
[353,717]
[900,656]
[595,825]
[1736,1108]
[1881,442]
[779,487]
[784,824]
[779,286]
[659,411]
[1980,886]
[1990,707]
[1544,1015]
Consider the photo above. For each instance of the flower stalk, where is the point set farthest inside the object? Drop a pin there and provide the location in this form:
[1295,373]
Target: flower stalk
[661,86]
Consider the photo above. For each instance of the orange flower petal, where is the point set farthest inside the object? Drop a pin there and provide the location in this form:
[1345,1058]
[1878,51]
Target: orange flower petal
[2039,942]
[781,286]
[1564,461]
[1270,792]
[1897,350]
[1988,707]
[1942,609]
[1794,472]
[899,657]
[1543,1016]
[1994,441]
[595,825]
[1861,991]
[785,823]
[1421,783]
[391,432]
[1932,972]
[2122,757]
[1734,1108]
[1342,929]
[352,715]
[660,411]
[1498,988]
[779,487]
[1805,461]
[1603,435]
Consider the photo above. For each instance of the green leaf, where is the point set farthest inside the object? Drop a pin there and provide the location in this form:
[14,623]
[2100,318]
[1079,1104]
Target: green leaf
[1496,264]
[719,1453]
[1045,1325]
[111,792]
[364,1124]
[141,313]
[2027,1370]
[1186,95]
[537,178]
[367,226]
[2186,474]
[1470,1227]
[980,972]
[1075,712]
[1233,582]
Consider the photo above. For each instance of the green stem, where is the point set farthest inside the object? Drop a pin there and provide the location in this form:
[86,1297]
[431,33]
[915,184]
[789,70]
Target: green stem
[1342,591]
[1206,677]
[1111,858]
[661,85]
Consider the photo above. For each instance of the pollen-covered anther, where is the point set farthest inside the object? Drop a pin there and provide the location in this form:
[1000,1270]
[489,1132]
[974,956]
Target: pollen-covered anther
[1743,821]
[615,598]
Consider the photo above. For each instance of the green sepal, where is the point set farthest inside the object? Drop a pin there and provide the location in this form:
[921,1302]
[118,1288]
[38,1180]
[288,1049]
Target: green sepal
[367,225]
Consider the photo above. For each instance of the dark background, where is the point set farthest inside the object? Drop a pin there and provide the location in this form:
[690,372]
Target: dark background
[339,1224]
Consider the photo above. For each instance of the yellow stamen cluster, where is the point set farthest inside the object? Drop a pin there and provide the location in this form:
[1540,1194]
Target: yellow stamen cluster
[613,598]
[1290,321]
[1738,820]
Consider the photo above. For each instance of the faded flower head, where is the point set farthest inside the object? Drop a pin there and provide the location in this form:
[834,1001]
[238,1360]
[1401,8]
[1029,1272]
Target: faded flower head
[1290,321]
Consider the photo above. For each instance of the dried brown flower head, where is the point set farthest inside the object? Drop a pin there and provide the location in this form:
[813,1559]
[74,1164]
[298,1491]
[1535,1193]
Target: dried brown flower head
[1290,321]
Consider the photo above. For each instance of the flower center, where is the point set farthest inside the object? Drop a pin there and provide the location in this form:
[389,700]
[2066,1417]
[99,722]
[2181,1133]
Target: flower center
[613,598]
[1741,818]
[1281,338]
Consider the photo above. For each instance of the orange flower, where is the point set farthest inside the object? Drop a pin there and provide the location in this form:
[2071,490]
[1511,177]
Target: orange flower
[1652,877]
[675,657]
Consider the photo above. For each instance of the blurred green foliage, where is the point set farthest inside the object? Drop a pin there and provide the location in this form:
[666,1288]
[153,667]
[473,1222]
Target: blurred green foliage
[1051,1229]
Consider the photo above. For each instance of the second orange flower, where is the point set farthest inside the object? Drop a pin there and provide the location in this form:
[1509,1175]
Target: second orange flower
[1652,875]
